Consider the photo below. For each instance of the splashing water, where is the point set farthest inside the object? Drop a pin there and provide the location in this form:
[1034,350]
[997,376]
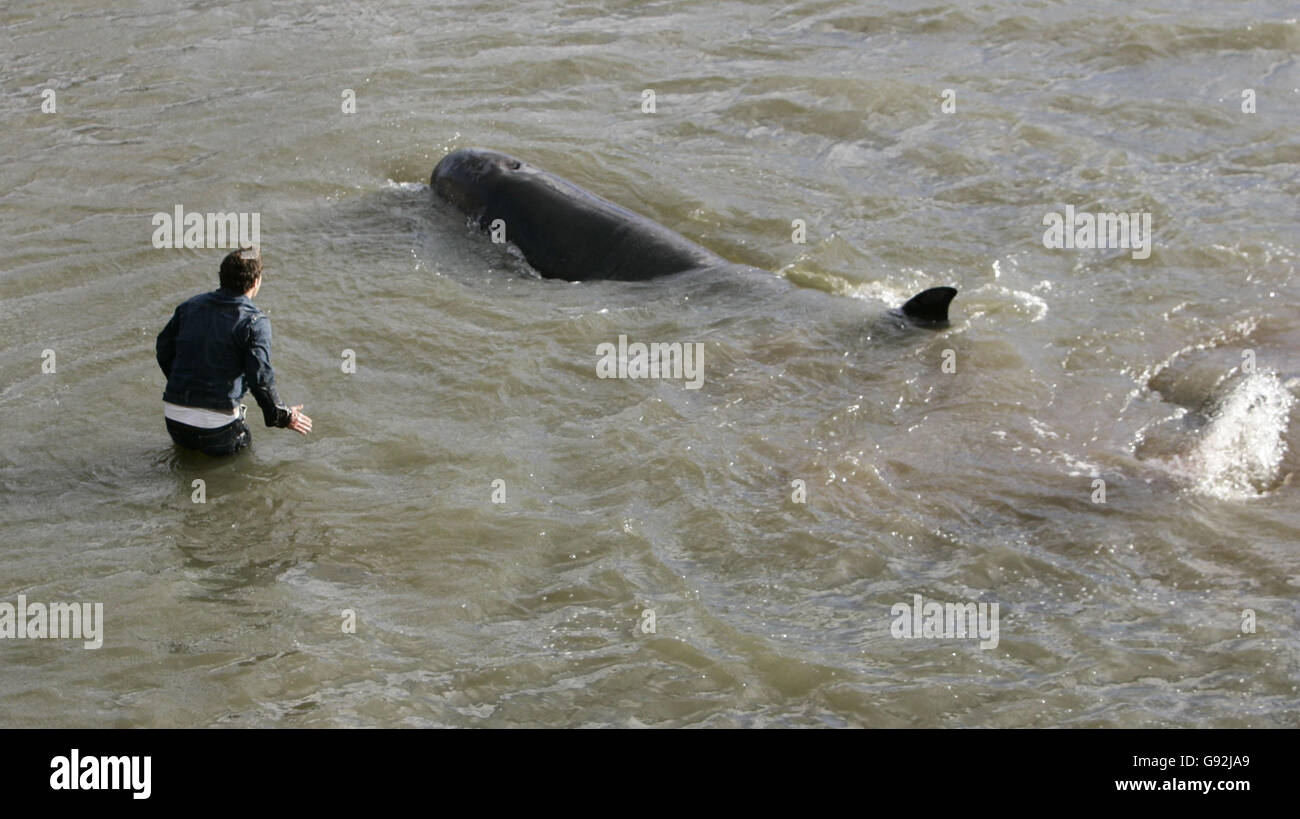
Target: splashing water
[1240,450]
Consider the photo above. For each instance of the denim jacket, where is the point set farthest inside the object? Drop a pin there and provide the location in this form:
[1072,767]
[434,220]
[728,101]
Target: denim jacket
[216,348]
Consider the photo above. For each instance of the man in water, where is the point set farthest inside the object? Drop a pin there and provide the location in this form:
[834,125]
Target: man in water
[217,347]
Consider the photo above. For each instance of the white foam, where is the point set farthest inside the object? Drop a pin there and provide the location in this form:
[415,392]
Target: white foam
[406,186]
[1240,450]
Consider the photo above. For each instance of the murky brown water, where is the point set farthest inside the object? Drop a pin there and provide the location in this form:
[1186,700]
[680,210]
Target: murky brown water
[975,485]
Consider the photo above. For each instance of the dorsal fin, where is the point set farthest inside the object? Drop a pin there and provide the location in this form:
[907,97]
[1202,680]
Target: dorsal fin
[930,305]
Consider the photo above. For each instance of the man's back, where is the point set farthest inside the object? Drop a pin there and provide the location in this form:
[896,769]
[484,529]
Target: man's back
[212,337]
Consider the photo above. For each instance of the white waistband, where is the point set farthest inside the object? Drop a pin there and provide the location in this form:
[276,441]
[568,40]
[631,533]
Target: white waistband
[201,418]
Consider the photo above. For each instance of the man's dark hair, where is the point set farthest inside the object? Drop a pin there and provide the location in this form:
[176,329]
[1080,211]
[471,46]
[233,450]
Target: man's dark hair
[240,269]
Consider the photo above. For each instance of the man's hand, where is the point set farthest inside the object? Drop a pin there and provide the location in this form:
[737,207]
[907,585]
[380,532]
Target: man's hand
[299,422]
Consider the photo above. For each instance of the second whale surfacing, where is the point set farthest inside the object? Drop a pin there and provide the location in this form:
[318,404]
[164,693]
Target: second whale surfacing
[566,232]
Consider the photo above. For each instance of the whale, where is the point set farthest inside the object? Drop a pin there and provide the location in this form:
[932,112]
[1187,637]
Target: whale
[567,232]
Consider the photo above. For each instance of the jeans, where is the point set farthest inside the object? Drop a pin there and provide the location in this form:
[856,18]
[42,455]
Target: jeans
[225,440]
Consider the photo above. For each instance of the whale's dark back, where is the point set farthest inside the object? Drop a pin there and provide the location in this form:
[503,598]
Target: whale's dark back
[564,231]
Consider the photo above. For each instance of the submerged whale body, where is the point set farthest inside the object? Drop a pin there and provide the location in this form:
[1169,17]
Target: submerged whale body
[567,232]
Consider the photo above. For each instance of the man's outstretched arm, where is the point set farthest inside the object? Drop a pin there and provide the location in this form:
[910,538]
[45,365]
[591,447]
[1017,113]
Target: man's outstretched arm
[260,379]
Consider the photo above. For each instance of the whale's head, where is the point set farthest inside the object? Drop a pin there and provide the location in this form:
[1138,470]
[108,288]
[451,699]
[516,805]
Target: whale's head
[470,177]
